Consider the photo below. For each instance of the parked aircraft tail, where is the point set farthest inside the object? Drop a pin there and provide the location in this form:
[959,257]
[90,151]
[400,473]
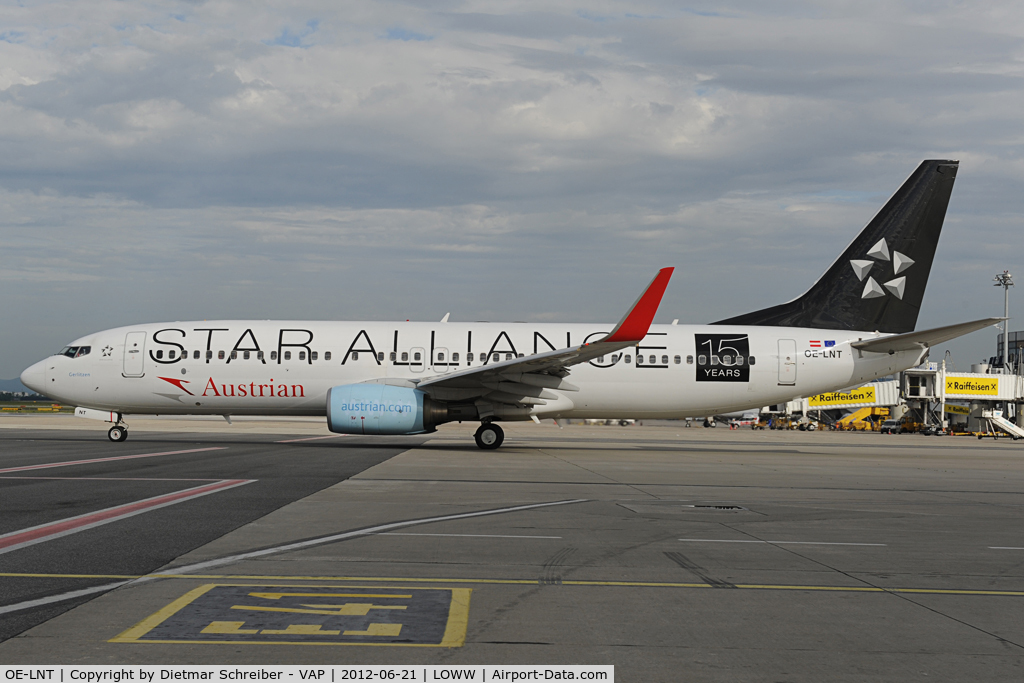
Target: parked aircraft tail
[878,283]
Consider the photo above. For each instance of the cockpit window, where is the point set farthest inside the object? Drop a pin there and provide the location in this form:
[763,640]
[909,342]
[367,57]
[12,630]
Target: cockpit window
[75,351]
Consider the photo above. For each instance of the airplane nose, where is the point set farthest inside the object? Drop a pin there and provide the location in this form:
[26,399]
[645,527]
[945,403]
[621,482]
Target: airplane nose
[34,377]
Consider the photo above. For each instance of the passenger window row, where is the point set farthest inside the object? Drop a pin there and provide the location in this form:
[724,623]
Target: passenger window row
[653,359]
[417,357]
[723,360]
[172,354]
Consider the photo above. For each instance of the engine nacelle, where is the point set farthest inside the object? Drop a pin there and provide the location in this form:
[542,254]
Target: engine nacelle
[381,409]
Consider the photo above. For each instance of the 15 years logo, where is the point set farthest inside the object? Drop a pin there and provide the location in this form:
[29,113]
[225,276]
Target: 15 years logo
[723,357]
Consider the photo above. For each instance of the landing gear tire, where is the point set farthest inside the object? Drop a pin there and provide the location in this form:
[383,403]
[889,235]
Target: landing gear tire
[489,436]
[117,434]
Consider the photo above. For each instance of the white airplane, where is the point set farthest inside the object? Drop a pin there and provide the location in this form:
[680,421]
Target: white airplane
[854,325]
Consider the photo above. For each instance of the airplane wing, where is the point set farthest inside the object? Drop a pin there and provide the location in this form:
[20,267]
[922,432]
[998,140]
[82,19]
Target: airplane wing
[913,341]
[528,380]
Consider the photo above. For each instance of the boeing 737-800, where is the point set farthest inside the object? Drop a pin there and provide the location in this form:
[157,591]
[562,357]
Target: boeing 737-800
[854,325]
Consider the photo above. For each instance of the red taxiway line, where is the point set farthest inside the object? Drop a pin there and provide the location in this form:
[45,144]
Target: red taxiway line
[67,463]
[71,525]
[30,478]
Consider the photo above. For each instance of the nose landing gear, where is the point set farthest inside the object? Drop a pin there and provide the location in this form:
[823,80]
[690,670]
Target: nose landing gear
[118,433]
[489,436]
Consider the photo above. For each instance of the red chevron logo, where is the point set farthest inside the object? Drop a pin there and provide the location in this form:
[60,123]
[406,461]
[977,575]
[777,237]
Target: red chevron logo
[178,383]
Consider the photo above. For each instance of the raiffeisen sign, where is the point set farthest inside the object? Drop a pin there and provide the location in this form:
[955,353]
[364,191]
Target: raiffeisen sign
[835,398]
[976,385]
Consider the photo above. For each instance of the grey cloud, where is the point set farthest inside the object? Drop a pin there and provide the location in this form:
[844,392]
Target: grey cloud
[559,61]
[86,91]
[548,25]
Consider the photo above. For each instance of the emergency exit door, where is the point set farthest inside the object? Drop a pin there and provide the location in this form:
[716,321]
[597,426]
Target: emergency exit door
[134,354]
[787,361]
[441,360]
[416,360]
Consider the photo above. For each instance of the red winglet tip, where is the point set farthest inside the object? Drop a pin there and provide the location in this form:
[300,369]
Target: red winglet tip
[638,321]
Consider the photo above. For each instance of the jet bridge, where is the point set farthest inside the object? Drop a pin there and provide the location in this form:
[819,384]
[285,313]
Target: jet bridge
[928,387]
[873,395]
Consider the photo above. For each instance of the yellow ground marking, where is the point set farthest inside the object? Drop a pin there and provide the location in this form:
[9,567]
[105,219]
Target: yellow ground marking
[378,630]
[521,582]
[458,619]
[354,609]
[623,584]
[302,643]
[278,596]
[154,620]
[231,627]
[454,635]
[299,630]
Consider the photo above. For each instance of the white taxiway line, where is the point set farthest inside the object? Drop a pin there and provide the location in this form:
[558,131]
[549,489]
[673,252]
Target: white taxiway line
[6,609]
[1003,547]
[40,602]
[68,463]
[464,535]
[313,438]
[722,540]
[360,532]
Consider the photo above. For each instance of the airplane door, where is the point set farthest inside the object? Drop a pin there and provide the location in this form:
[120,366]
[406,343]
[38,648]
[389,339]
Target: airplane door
[787,361]
[416,360]
[441,359]
[134,354]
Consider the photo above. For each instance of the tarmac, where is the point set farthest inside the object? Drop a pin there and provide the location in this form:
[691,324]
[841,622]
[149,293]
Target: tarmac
[672,553]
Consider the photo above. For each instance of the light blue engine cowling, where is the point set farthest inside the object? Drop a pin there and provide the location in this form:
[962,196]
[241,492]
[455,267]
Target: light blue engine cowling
[376,409]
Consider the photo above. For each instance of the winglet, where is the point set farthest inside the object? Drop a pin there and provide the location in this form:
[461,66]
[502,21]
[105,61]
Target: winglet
[633,327]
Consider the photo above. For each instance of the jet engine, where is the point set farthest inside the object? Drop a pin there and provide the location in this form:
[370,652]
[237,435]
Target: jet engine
[386,409]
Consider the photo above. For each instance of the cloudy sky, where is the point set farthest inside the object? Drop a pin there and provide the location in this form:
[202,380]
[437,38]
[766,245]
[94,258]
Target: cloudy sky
[499,160]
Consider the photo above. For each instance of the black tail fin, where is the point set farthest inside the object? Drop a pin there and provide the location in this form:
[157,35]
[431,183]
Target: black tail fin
[878,283]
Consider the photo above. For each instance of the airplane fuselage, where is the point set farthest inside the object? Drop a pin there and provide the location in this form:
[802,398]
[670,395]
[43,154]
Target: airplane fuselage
[286,367]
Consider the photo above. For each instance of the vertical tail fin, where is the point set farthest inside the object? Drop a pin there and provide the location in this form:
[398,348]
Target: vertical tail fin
[879,281]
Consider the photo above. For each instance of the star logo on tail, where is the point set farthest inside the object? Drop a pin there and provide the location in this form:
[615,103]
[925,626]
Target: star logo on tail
[879,254]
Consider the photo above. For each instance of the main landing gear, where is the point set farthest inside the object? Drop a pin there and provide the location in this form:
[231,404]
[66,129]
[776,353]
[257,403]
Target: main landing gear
[489,436]
[118,433]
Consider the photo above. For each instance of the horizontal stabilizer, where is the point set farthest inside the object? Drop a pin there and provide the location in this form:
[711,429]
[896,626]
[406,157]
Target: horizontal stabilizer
[912,341]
